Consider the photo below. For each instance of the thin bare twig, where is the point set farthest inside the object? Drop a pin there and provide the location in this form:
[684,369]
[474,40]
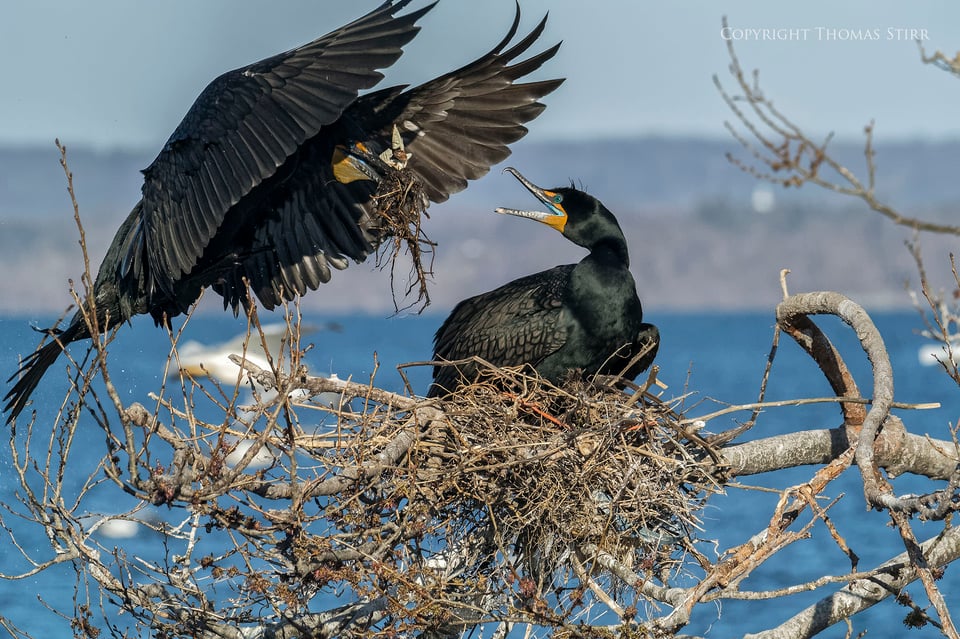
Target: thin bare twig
[783,154]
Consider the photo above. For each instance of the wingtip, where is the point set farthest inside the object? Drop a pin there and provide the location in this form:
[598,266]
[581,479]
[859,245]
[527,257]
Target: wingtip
[514,27]
[419,13]
[16,401]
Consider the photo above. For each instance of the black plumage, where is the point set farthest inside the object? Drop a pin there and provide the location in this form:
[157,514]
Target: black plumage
[584,316]
[279,171]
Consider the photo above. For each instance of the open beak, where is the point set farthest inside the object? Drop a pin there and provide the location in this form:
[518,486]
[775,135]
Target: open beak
[555,215]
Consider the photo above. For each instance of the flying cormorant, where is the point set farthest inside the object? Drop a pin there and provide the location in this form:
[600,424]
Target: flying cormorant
[583,316]
[279,171]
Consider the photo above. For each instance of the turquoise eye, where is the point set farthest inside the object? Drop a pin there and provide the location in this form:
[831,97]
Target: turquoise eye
[557,199]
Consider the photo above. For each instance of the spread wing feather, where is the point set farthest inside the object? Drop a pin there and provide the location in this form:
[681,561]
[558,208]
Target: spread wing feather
[315,227]
[460,124]
[455,126]
[246,123]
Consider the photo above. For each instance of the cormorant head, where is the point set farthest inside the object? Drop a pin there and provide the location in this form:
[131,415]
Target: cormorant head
[582,218]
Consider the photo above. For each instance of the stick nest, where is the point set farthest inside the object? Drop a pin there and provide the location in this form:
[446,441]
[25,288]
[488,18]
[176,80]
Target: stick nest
[551,469]
[402,204]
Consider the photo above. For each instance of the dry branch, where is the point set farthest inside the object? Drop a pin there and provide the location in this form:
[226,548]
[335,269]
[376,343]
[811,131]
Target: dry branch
[781,153]
[890,578]
[792,315]
[902,452]
[446,515]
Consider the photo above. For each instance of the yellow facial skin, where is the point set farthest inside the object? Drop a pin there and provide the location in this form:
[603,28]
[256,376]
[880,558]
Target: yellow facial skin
[346,167]
[555,221]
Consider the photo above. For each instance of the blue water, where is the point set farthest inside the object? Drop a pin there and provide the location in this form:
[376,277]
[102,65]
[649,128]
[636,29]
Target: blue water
[711,356]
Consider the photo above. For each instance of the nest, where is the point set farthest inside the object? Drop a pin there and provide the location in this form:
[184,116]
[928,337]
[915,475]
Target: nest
[401,204]
[507,496]
[554,470]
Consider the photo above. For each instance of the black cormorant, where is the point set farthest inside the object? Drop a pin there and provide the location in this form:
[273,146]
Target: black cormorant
[281,169]
[583,316]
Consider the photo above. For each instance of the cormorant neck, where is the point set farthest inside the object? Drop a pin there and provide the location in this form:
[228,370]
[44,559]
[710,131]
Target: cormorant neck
[598,231]
[612,249]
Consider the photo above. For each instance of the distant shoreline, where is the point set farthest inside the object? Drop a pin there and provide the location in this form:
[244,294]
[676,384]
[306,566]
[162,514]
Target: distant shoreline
[696,236]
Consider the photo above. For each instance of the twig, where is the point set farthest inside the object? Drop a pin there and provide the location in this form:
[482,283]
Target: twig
[803,402]
[791,158]
[890,577]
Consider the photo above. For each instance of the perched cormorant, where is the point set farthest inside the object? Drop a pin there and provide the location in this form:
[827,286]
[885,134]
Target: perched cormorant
[280,170]
[575,316]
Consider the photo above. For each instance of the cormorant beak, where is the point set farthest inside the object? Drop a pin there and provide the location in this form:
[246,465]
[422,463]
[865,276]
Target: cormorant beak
[350,165]
[555,216]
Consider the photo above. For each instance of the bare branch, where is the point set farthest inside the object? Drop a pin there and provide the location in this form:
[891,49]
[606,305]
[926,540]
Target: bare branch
[890,579]
[783,154]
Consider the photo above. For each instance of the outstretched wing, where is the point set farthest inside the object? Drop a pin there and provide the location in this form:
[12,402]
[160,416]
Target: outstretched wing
[245,124]
[518,323]
[291,250]
[460,124]
[455,126]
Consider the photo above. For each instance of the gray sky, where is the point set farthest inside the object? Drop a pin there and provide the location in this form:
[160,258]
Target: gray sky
[120,73]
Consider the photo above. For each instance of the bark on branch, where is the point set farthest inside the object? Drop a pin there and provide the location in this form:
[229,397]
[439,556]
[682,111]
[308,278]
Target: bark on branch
[793,311]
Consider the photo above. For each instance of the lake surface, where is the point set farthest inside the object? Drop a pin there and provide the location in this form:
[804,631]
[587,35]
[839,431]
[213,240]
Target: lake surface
[712,356]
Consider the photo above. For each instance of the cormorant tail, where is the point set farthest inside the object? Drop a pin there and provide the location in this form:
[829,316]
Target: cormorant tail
[36,364]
